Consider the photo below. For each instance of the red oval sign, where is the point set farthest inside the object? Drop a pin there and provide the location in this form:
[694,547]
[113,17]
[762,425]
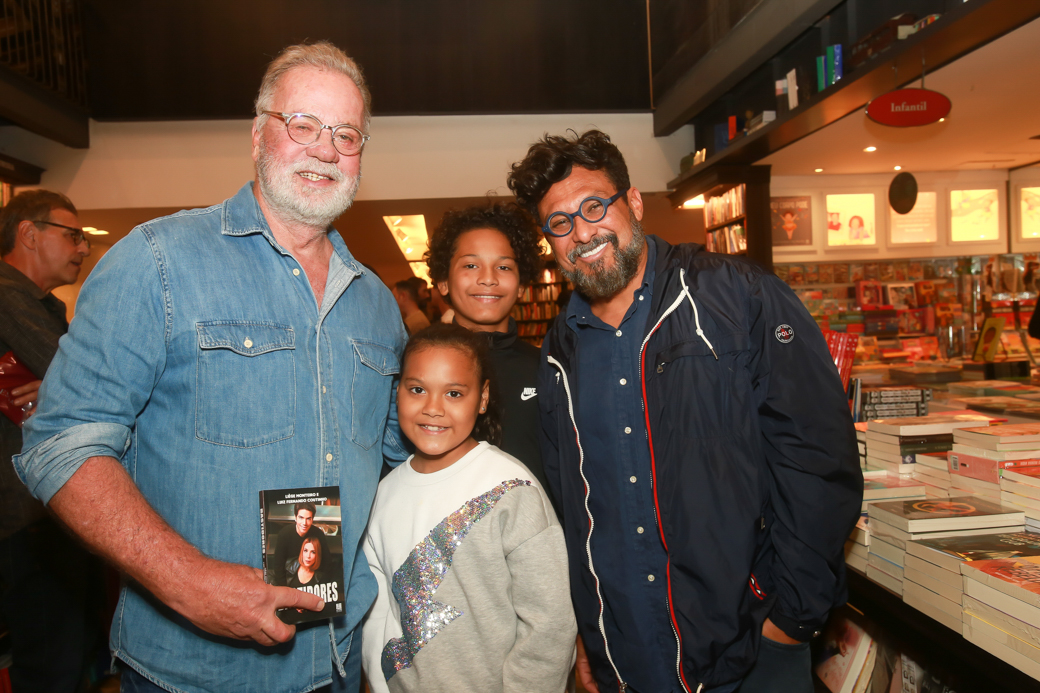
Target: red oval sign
[905,108]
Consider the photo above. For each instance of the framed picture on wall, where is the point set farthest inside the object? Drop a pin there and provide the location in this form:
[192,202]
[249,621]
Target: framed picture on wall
[792,220]
[919,225]
[974,215]
[1030,213]
[850,220]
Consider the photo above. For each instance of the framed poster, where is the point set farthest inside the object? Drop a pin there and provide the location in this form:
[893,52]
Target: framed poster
[919,225]
[974,215]
[1030,213]
[850,220]
[792,220]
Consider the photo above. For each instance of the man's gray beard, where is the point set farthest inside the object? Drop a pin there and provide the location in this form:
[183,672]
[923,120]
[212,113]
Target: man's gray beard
[277,187]
[598,283]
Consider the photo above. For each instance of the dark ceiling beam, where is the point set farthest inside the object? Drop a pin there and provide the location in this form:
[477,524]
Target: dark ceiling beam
[39,110]
[959,32]
[762,34]
[18,172]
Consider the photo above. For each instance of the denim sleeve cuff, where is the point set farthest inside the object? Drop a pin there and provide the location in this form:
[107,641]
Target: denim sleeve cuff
[46,466]
[802,632]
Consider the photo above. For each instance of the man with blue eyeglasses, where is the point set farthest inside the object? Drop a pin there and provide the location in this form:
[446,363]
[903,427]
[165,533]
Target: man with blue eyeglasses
[697,437]
[215,354]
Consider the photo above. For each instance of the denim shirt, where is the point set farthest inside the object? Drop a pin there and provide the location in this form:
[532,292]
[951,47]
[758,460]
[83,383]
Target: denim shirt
[199,358]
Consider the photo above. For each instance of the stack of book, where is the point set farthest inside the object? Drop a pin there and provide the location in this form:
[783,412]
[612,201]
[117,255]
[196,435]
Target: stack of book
[980,457]
[932,580]
[1001,609]
[894,401]
[856,545]
[894,523]
[932,469]
[861,442]
[1020,489]
[892,444]
[890,487]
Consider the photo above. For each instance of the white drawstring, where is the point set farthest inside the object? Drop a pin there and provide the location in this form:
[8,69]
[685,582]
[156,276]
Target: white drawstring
[696,314]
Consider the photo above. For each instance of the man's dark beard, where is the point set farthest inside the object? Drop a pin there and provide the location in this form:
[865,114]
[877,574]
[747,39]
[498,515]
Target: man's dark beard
[598,283]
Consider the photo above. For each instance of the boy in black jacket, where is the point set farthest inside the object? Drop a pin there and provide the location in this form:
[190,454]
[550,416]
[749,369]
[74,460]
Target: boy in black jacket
[480,260]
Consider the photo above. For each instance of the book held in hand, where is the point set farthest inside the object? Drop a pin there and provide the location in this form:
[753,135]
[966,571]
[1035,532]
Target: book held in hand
[301,547]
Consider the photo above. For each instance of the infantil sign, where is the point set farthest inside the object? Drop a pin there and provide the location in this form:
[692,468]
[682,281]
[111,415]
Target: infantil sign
[905,108]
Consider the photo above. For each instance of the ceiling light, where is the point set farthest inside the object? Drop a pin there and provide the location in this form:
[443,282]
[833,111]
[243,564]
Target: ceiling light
[870,149]
[94,232]
[819,170]
[694,202]
[897,168]
[409,233]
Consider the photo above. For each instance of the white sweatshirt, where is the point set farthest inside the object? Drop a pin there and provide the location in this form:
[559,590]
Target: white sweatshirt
[473,558]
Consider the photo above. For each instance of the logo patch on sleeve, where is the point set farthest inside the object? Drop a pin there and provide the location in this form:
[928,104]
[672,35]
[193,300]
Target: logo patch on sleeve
[784,333]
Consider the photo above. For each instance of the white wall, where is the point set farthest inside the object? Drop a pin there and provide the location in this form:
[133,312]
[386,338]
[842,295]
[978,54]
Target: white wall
[199,163]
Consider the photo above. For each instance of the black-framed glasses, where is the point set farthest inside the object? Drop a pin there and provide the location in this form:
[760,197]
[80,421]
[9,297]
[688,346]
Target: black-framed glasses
[76,236]
[591,209]
[303,128]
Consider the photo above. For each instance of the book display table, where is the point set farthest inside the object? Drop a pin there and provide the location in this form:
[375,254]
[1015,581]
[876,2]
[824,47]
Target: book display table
[959,663]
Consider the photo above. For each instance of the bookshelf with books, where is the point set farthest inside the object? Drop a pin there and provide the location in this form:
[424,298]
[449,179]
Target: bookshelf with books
[538,305]
[736,210]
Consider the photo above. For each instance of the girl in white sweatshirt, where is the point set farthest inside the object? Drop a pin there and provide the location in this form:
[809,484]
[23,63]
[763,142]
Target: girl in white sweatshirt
[465,547]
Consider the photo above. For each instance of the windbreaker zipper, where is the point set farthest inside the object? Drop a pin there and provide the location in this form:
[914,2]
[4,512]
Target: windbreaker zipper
[653,471]
[622,686]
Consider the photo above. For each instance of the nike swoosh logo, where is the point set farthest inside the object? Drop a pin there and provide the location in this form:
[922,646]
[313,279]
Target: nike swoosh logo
[524,396]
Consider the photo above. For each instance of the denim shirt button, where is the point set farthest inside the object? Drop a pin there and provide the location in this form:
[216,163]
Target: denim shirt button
[296,272]
[328,457]
[248,343]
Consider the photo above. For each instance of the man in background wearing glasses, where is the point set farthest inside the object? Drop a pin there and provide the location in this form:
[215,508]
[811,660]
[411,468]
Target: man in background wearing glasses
[215,354]
[42,247]
[698,439]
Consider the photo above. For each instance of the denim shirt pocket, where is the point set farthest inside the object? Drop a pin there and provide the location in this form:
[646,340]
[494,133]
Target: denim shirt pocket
[374,368]
[245,389]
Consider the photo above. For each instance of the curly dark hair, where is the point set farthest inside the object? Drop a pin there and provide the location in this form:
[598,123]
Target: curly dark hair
[512,221]
[489,424]
[550,160]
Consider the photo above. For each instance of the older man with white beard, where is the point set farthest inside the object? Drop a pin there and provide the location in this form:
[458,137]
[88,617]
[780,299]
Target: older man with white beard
[214,354]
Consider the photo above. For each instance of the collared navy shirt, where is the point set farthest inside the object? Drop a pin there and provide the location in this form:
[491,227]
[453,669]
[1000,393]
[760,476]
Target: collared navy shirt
[626,546]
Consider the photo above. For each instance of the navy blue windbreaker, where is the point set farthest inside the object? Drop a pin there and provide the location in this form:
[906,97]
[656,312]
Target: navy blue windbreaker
[755,469]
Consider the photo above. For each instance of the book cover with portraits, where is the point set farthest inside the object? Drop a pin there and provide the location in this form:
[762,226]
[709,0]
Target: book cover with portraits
[301,547]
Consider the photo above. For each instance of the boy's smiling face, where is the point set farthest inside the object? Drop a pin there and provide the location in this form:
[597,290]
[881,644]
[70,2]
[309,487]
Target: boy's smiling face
[483,284]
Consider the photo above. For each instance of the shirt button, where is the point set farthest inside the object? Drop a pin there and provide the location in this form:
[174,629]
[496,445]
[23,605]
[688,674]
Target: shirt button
[624,381]
[632,479]
[296,272]
[627,429]
[651,578]
[323,389]
[640,297]
[639,530]
[618,333]
[328,457]
[248,343]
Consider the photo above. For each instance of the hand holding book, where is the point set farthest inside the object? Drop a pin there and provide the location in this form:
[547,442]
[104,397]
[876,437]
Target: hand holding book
[19,389]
